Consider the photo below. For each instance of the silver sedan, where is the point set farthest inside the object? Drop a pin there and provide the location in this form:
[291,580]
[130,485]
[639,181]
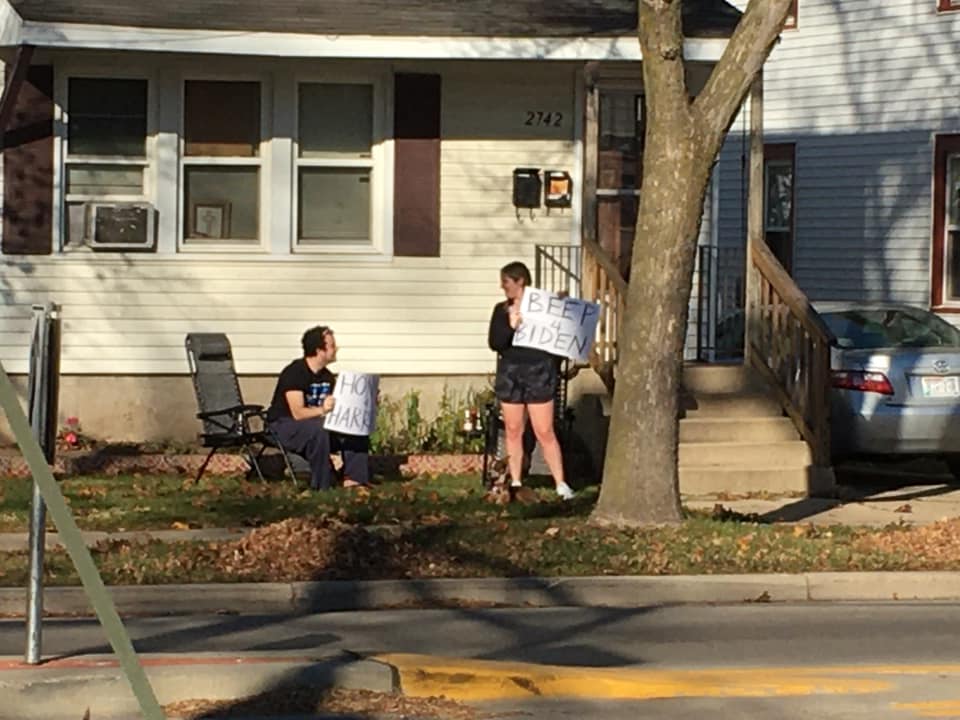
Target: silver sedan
[896,382]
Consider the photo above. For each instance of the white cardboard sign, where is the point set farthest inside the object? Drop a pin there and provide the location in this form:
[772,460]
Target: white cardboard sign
[561,326]
[355,409]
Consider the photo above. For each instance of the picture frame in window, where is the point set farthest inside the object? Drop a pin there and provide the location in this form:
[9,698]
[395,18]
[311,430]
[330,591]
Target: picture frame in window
[210,220]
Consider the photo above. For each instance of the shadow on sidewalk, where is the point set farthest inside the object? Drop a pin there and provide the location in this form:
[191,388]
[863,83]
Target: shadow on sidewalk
[874,483]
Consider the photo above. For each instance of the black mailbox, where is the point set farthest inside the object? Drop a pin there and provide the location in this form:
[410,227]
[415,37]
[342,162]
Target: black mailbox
[526,187]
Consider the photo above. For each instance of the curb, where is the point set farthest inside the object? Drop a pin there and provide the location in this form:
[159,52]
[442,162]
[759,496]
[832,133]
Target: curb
[473,680]
[66,688]
[626,592]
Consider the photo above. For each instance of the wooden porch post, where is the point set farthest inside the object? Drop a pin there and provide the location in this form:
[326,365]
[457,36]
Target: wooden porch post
[590,134]
[754,212]
[588,220]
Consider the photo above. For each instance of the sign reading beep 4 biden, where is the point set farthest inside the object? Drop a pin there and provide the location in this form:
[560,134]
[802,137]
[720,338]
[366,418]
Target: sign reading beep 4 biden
[557,325]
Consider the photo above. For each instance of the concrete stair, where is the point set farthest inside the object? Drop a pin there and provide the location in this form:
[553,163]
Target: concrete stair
[735,439]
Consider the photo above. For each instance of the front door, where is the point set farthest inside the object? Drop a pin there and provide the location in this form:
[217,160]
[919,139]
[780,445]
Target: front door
[620,130]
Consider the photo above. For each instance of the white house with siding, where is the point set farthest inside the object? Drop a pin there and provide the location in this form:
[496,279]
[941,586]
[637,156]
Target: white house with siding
[862,132]
[285,164]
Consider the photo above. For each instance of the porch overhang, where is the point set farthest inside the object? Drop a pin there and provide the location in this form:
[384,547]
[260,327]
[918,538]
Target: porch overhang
[11,25]
[70,36]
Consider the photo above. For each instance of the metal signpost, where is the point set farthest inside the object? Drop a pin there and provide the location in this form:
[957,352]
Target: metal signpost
[42,396]
[71,538]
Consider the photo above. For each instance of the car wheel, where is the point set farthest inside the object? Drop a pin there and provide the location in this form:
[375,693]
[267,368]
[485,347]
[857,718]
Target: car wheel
[953,464]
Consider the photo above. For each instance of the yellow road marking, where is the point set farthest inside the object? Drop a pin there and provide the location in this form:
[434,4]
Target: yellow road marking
[484,680]
[933,709]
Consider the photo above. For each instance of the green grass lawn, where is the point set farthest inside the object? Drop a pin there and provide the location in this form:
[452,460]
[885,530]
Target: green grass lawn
[163,502]
[439,527]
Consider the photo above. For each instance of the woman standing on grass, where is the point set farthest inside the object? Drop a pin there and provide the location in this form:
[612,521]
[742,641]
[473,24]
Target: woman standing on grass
[526,382]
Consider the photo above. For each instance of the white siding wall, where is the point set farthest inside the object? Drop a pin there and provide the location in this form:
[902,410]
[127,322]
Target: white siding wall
[129,315]
[861,88]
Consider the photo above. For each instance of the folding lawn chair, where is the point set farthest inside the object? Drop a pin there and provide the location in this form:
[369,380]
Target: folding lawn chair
[226,418]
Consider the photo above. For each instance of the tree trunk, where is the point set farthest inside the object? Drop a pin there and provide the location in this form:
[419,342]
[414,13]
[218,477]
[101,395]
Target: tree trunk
[640,483]
[640,480]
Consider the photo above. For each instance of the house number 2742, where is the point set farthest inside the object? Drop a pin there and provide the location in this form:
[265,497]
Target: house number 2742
[539,118]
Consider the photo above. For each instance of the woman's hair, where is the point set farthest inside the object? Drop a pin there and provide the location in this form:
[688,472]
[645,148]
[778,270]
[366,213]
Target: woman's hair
[517,271]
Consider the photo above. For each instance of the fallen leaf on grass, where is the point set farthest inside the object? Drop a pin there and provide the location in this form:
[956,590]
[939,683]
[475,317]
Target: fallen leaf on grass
[551,531]
[177,525]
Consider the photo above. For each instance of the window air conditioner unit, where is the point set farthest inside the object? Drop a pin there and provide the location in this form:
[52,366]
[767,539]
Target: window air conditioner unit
[122,226]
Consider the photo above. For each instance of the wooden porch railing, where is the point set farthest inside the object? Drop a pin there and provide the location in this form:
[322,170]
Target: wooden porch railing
[789,344]
[602,282]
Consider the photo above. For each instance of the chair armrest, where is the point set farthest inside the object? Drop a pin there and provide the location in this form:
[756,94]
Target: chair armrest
[233,410]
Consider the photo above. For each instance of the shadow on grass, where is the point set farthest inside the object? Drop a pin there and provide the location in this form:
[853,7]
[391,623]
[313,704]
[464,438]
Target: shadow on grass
[525,634]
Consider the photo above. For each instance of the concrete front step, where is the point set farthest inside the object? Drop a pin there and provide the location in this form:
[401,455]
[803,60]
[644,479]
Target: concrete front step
[754,430]
[713,379]
[700,481]
[721,455]
[726,405]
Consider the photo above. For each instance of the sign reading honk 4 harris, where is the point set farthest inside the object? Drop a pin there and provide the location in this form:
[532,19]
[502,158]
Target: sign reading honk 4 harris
[561,326]
[355,409]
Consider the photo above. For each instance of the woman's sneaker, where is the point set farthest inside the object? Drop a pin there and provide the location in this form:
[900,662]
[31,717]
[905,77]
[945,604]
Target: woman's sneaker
[565,491]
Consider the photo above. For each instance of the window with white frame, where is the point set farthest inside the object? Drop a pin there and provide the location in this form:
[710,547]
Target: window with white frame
[221,162]
[951,236]
[335,164]
[105,152]
[778,198]
[945,265]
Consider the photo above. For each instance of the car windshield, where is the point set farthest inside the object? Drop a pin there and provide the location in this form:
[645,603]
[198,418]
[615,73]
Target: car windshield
[890,328]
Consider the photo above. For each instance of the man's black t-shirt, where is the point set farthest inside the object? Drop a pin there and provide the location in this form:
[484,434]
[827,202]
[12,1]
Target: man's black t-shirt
[295,376]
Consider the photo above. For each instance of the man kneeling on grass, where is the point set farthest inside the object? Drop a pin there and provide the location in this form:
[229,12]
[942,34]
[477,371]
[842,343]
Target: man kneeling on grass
[302,398]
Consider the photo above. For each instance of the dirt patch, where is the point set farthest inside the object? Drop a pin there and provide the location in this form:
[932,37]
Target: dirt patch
[355,703]
[326,549]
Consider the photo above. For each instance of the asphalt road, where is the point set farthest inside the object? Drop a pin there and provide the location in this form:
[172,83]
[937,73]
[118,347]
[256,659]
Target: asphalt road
[897,661]
[685,636]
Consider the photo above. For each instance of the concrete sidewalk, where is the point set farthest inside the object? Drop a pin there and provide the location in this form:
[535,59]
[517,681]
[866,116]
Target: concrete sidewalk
[65,688]
[870,507]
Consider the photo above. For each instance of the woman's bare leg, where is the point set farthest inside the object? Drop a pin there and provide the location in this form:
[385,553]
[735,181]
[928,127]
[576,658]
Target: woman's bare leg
[513,422]
[541,417]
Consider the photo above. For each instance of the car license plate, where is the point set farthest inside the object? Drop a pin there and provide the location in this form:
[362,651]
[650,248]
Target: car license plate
[935,387]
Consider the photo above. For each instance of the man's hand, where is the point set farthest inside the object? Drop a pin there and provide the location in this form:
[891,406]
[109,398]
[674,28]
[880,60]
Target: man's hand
[328,403]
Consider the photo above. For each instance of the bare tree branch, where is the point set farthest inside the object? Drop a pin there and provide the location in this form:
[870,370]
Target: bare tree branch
[744,56]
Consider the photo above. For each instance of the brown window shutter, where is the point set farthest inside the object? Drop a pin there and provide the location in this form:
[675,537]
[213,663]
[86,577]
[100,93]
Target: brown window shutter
[28,167]
[416,182]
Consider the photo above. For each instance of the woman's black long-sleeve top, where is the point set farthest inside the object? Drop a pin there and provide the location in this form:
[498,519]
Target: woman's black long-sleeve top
[500,339]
